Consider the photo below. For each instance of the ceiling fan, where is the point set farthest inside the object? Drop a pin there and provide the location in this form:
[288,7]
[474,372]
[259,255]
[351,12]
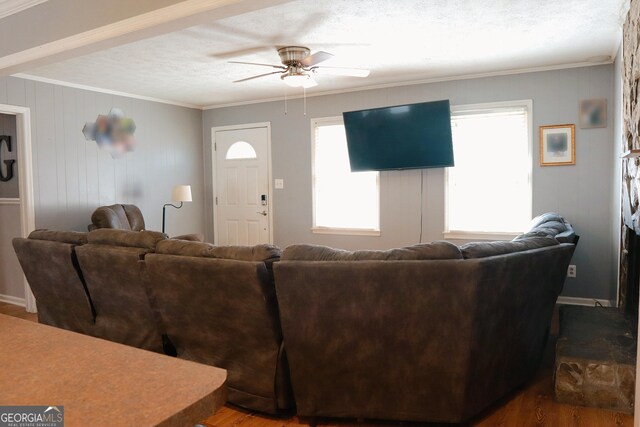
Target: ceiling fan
[298,66]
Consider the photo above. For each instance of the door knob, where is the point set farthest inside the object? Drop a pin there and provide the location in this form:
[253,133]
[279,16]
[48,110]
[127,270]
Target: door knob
[263,213]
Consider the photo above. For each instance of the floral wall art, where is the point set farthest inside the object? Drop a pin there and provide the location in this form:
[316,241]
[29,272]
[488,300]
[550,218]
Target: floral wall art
[112,132]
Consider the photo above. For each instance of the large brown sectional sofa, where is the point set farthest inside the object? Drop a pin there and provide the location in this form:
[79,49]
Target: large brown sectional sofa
[218,306]
[431,332]
[421,334]
[190,299]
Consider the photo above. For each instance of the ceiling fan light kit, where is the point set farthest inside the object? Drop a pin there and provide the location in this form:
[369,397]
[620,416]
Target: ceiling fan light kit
[298,64]
[297,78]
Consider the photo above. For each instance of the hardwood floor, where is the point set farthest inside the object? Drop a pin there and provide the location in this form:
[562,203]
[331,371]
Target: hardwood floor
[17,311]
[531,406]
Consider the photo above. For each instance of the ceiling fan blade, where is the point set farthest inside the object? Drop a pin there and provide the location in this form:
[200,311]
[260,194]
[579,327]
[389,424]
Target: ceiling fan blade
[310,83]
[316,58]
[342,71]
[257,77]
[277,43]
[241,52]
[282,67]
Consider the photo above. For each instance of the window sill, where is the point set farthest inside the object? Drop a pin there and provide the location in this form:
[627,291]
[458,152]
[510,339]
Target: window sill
[479,235]
[345,231]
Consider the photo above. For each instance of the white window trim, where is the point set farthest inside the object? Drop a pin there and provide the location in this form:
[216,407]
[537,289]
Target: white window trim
[507,234]
[329,121]
[345,231]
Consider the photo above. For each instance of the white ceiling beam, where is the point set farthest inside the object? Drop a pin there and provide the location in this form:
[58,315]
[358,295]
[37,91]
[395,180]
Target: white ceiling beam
[9,7]
[172,16]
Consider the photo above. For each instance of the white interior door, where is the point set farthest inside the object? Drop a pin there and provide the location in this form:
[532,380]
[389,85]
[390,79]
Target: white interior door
[241,193]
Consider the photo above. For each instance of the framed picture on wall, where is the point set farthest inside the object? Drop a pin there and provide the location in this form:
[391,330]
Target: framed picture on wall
[593,113]
[557,145]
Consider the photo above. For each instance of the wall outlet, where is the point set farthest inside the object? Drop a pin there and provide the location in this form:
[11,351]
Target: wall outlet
[571,271]
[279,184]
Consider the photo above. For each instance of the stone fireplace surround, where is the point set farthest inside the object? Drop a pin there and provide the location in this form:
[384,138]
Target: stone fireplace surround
[596,348]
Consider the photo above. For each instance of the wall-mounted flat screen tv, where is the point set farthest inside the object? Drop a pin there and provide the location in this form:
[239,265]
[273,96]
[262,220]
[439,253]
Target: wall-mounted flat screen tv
[413,136]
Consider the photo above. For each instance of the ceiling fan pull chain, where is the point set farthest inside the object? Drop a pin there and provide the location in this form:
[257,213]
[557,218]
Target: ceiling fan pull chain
[304,99]
[285,101]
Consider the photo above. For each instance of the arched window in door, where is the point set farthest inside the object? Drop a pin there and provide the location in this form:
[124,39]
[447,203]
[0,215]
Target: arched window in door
[241,150]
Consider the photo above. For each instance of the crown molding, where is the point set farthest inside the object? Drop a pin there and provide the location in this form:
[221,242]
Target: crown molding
[414,82]
[9,7]
[310,95]
[105,91]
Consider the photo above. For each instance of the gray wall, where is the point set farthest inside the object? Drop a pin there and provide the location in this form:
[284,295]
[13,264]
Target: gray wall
[9,189]
[582,192]
[72,176]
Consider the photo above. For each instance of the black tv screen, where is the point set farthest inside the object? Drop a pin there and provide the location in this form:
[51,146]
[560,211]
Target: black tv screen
[413,136]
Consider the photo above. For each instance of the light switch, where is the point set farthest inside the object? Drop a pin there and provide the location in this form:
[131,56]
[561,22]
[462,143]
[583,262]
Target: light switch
[279,184]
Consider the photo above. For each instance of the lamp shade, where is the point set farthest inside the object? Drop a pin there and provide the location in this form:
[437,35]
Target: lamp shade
[181,193]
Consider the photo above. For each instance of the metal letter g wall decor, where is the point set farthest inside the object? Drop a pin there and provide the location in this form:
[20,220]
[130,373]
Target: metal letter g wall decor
[4,178]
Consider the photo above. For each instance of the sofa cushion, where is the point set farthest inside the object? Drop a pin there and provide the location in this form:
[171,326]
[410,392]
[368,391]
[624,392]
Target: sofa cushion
[183,247]
[435,250]
[247,253]
[134,217]
[487,249]
[568,236]
[207,250]
[72,237]
[192,237]
[134,239]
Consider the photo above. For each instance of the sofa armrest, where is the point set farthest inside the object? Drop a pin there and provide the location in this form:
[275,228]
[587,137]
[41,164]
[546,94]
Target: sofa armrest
[568,236]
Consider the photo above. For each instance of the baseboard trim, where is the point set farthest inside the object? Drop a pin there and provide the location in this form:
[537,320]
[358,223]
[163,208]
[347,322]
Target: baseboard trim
[585,301]
[13,300]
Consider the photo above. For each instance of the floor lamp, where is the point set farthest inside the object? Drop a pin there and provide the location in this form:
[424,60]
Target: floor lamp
[180,193]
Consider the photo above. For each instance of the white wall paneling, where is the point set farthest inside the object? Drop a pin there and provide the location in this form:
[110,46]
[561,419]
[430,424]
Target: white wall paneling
[72,177]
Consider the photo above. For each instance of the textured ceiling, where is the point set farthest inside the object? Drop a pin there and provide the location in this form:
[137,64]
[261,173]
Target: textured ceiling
[399,40]
[9,7]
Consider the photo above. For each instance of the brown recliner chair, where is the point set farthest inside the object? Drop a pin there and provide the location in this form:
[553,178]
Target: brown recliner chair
[48,259]
[121,217]
[112,266]
[129,218]
[218,306]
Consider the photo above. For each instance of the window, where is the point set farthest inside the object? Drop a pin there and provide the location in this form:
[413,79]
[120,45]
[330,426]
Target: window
[488,192]
[343,202]
[241,150]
